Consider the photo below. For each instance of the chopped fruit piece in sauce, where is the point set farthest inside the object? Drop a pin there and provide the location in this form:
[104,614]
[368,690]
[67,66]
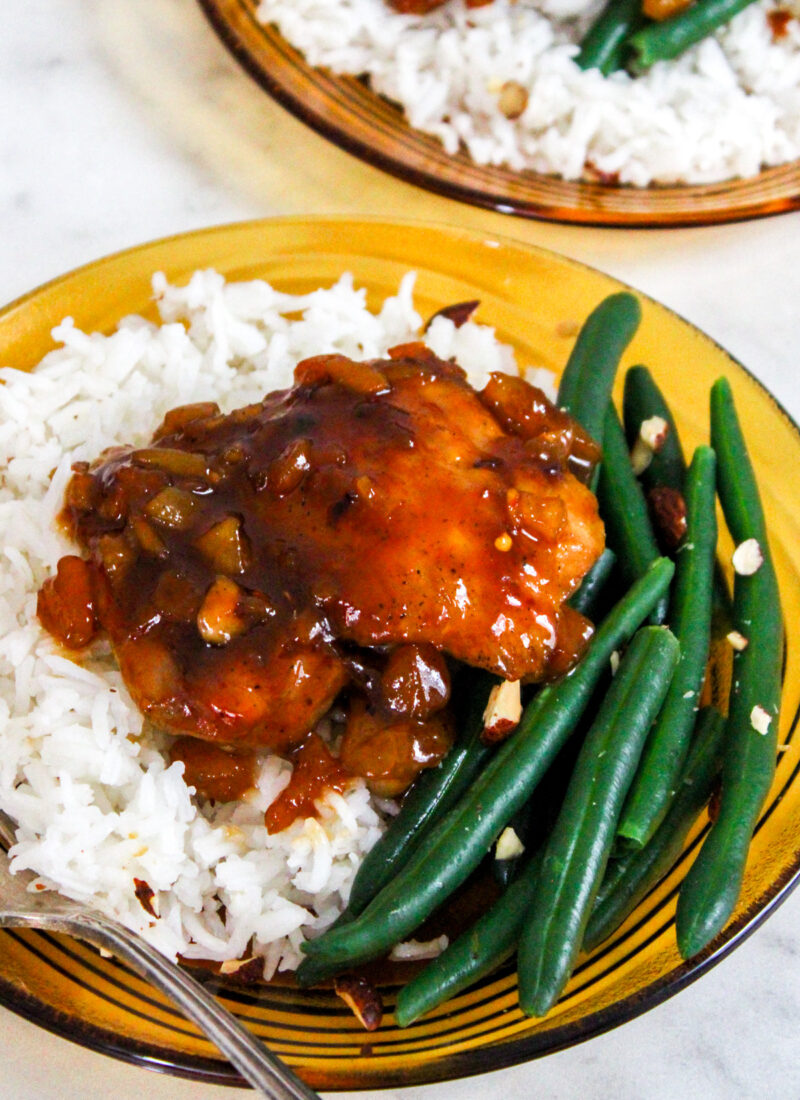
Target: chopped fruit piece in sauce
[66,603]
[215,773]
[316,771]
[357,532]
[391,752]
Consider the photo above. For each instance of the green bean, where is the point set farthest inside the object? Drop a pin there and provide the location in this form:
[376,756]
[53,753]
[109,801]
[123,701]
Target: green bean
[577,852]
[432,795]
[606,42]
[669,39]
[624,509]
[711,888]
[629,878]
[537,816]
[591,597]
[463,837]
[642,399]
[585,386]
[690,619]
[478,951]
[667,470]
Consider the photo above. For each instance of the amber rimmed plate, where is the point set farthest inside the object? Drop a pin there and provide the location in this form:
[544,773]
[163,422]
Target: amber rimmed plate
[533,298]
[345,110]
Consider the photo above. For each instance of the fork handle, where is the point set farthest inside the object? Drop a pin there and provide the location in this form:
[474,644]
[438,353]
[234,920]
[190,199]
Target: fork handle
[256,1063]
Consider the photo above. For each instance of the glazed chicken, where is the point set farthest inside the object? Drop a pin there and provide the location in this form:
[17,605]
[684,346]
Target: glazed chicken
[361,530]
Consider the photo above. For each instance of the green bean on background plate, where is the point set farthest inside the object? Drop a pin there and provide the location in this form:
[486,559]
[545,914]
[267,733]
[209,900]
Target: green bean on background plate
[605,45]
[667,40]
[711,888]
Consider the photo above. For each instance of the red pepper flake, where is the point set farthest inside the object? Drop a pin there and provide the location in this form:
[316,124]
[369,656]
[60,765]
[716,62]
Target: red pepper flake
[146,896]
[609,179]
[778,20]
[459,313]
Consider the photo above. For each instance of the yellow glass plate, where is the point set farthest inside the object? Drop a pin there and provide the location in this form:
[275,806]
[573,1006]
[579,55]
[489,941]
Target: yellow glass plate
[345,110]
[535,300]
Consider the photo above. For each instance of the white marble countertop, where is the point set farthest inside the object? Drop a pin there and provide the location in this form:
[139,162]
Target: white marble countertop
[126,120]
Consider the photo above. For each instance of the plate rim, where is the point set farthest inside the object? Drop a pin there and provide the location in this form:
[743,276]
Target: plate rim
[594,214]
[496,1056]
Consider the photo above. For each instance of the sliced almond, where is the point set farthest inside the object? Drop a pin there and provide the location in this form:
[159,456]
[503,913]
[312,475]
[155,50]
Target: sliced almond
[653,432]
[513,99]
[363,998]
[748,558]
[760,720]
[413,950]
[652,435]
[508,846]
[736,640]
[503,711]
[248,971]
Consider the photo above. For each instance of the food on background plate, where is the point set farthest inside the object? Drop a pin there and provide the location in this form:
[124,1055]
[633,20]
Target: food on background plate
[504,81]
[231,541]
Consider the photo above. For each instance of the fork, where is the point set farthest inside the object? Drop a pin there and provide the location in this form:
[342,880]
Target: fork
[48,910]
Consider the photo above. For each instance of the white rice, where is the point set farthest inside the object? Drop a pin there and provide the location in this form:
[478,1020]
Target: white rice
[728,107]
[97,802]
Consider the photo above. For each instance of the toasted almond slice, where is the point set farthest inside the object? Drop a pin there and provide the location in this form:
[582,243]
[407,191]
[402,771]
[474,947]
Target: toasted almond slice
[652,434]
[760,720]
[513,99]
[412,950]
[248,971]
[363,998]
[503,711]
[508,846]
[747,558]
[736,640]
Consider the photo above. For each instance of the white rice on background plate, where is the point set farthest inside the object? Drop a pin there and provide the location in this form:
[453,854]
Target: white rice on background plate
[728,107]
[97,802]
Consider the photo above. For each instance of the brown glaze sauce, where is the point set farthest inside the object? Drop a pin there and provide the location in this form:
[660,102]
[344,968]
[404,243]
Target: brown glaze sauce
[316,771]
[353,534]
[216,773]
